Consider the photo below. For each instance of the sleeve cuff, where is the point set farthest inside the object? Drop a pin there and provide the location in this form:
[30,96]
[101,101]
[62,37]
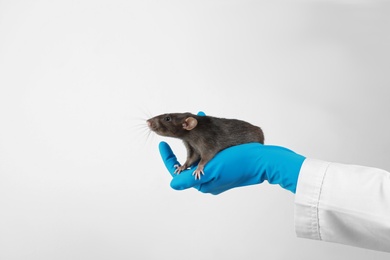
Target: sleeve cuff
[307,197]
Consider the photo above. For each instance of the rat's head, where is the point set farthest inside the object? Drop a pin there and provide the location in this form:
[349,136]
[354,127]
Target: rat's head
[173,125]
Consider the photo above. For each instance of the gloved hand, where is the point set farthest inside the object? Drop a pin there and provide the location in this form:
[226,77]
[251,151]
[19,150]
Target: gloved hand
[241,165]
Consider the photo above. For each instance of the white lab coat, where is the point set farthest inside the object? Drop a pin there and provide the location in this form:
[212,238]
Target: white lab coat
[345,204]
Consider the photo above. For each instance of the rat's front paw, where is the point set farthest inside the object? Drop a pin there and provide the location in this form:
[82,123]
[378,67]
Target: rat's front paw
[198,172]
[179,168]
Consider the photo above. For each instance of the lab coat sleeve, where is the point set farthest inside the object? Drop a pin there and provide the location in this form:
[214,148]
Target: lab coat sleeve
[345,204]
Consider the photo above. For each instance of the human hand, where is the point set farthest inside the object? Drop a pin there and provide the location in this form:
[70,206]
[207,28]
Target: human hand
[241,165]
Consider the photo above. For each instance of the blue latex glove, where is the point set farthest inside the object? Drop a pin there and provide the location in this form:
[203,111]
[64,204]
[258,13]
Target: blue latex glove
[241,165]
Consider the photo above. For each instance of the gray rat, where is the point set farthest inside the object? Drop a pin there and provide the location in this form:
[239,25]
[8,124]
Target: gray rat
[204,136]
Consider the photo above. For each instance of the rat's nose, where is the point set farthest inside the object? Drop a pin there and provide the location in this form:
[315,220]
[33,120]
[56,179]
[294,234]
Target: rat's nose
[150,123]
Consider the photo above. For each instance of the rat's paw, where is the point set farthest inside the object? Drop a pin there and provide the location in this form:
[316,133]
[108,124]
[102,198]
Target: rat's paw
[179,169]
[197,173]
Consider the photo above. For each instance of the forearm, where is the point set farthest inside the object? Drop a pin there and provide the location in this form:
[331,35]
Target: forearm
[345,204]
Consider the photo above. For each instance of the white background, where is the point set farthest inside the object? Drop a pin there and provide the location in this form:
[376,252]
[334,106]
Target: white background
[80,178]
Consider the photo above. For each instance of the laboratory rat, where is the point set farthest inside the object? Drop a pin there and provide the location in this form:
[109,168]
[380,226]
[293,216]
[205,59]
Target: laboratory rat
[204,136]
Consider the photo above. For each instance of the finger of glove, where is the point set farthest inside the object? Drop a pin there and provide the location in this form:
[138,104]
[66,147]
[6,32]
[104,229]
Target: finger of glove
[208,189]
[183,181]
[186,180]
[168,157]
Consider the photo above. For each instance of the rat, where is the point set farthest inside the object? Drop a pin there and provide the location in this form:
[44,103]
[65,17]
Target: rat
[204,136]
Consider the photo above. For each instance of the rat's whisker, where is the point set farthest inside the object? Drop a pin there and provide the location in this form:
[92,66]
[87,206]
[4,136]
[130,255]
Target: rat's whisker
[138,118]
[146,113]
[149,134]
[140,126]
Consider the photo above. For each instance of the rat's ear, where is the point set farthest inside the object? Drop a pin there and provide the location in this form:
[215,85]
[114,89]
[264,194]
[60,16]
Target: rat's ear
[190,123]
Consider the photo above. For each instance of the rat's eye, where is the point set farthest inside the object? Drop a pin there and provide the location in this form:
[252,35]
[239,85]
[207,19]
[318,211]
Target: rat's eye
[167,118]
